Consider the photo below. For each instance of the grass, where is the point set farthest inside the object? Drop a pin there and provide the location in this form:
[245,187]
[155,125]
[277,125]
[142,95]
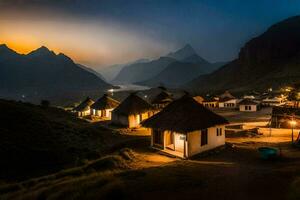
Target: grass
[97,173]
[37,140]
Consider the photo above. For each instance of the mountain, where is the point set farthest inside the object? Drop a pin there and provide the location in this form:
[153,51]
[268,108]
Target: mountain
[175,74]
[180,73]
[142,71]
[42,74]
[183,53]
[269,60]
[112,71]
[183,70]
[92,71]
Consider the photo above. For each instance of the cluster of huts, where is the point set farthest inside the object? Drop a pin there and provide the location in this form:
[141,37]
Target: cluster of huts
[181,127]
[247,103]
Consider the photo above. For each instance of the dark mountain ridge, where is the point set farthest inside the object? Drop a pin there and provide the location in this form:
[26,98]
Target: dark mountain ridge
[269,60]
[43,74]
[185,64]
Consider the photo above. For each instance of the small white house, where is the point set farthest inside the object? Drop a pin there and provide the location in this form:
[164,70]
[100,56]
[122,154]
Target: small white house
[248,105]
[185,128]
[273,101]
[228,102]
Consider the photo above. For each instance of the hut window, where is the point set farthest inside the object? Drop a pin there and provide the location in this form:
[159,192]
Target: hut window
[203,137]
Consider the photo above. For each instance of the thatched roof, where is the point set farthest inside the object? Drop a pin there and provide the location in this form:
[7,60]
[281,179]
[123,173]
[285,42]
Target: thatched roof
[199,99]
[162,98]
[248,102]
[184,115]
[84,106]
[133,104]
[224,99]
[226,94]
[210,99]
[105,102]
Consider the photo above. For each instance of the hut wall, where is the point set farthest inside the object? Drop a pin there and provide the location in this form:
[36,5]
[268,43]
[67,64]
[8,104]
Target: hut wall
[120,119]
[213,140]
[135,120]
[211,104]
[253,108]
[84,113]
[108,113]
[228,104]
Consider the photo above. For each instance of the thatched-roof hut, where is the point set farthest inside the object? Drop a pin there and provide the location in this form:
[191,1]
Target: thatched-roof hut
[84,108]
[162,99]
[185,128]
[132,111]
[104,106]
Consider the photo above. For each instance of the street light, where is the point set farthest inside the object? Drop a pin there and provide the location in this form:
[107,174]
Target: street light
[293,124]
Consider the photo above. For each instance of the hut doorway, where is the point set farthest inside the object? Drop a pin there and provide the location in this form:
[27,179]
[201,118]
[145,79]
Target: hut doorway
[170,140]
[158,138]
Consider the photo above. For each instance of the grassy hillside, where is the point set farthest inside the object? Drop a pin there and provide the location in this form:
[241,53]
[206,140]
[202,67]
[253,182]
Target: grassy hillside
[35,140]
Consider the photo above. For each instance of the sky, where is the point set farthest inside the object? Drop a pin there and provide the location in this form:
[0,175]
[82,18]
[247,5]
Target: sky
[99,33]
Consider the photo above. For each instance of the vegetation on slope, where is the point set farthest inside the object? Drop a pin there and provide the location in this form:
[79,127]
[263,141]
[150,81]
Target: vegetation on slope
[37,140]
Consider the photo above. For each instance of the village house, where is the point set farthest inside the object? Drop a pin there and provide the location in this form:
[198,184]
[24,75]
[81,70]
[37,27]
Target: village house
[227,100]
[162,100]
[211,102]
[104,106]
[84,108]
[249,105]
[131,112]
[185,128]
[273,101]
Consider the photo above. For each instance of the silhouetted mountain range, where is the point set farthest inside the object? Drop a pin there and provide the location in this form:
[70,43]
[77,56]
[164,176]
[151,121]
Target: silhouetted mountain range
[42,74]
[269,60]
[142,71]
[112,71]
[174,69]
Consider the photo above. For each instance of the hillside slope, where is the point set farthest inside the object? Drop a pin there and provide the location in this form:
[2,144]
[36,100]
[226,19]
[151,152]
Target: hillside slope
[269,60]
[37,140]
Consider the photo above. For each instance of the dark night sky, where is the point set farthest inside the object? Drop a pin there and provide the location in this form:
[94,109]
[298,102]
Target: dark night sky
[102,32]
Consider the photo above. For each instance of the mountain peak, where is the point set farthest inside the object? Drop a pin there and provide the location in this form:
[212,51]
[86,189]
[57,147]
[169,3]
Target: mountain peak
[188,47]
[42,51]
[3,46]
[6,52]
[183,53]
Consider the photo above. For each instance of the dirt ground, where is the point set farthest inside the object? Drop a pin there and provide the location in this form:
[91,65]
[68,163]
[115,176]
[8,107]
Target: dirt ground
[235,172]
[235,116]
